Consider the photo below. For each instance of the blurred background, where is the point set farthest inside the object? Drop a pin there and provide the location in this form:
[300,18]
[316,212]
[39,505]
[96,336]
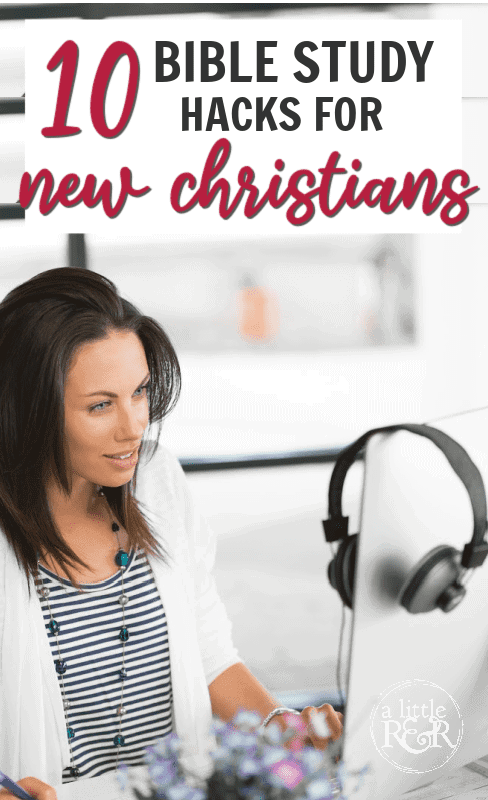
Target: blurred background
[290,348]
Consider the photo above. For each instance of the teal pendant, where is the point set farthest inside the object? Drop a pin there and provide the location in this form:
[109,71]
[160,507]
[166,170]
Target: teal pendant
[122,558]
[124,634]
[119,740]
[71,733]
[54,627]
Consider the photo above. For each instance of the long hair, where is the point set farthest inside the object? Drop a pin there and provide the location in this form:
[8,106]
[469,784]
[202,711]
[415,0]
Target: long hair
[42,323]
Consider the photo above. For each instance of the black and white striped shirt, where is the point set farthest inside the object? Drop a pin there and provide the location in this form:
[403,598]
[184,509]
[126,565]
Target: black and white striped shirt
[89,643]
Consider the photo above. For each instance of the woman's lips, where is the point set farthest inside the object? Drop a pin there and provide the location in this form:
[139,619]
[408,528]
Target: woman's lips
[124,463]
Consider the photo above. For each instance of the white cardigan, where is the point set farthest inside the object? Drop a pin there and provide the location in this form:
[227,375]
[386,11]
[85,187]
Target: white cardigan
[33,738]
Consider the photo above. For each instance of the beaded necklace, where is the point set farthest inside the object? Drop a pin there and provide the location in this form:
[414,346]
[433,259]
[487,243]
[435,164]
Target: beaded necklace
[121,560]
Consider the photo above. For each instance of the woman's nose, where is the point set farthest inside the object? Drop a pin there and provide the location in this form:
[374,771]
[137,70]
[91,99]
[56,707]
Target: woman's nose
[132,423]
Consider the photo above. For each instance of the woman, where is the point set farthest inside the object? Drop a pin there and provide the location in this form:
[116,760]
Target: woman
[111,630]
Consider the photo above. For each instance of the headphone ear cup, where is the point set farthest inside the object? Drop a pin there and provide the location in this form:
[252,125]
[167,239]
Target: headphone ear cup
[331,573]
[432,583]
[342,568]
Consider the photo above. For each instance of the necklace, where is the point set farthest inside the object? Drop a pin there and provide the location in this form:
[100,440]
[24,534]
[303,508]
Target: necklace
[121,560]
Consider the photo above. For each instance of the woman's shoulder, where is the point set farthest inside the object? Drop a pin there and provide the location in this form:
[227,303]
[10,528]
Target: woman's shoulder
[160,473]
[162,490]
[158,460]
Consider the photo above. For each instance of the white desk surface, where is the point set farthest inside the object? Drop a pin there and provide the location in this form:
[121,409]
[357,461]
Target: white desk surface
[468,783]
[106,787]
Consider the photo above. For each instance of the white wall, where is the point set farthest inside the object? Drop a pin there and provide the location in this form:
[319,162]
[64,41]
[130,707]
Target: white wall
[299,401]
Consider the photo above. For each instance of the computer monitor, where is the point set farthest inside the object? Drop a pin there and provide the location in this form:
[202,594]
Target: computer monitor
[417,684]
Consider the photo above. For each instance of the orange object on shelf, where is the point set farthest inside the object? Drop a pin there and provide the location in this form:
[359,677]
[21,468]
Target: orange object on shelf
[258,320]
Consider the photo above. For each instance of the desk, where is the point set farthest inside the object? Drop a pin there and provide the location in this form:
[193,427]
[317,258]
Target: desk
[467,783]
[103,788]
[106,787]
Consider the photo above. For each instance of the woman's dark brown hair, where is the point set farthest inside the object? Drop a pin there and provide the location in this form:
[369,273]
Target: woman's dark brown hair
[42,323]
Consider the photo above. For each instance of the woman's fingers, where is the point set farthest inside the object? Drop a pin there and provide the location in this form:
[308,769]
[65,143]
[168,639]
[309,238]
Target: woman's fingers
[324,725]
[33,786]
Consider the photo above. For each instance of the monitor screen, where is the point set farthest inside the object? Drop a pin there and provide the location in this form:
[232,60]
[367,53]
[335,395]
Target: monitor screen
[417,683]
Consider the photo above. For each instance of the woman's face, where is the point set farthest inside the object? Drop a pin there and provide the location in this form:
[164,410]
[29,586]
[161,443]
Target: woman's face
[106,408]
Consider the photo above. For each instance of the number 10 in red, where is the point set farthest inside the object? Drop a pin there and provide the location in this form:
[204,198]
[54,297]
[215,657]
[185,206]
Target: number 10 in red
[67,56]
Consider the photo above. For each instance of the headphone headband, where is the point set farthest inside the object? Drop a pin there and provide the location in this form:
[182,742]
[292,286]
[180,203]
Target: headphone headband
[475,552]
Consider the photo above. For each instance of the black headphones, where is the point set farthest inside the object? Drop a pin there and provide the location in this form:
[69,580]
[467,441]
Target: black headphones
[435,581]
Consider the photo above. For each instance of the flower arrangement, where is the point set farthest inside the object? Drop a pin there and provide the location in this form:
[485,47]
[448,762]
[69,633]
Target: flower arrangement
[250,764]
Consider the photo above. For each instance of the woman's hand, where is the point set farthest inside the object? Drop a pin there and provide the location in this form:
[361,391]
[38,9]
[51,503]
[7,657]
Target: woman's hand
[317,726]
[314,723]
[34,787]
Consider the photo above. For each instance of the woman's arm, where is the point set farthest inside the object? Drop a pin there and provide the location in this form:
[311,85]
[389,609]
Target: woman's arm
[236,688]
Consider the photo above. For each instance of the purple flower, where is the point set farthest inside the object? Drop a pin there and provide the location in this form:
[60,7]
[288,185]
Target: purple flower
[150,755]
[159,749]
[272,755]
[238,739]
[311,759]
[172,742]
[218,724]
[180,791]
[162,773]
[253,793]
[272,733]
[196,794]
[319,789]
[247,720]
[247,767]
[296,722]
[288,771]
[248,762]
[122,776]
[220,754]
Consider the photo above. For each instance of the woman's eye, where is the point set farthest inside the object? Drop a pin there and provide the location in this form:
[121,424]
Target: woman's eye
[140,392]
[100,406]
